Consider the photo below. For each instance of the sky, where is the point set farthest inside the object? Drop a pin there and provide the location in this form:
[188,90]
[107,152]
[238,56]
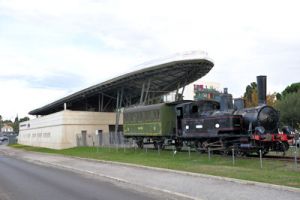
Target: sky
[49,49]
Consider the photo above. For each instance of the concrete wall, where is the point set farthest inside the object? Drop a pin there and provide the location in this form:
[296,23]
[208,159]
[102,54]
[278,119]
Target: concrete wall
[60,130]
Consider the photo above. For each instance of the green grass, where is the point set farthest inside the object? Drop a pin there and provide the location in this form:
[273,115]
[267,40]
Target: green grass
[275,172]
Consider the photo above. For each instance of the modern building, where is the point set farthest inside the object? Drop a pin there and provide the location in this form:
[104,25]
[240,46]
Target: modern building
[80,118]
[206,91]
[67,128]
[202,90]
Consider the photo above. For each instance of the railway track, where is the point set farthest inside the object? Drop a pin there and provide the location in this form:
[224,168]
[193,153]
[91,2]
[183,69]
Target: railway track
[274,157]
[282,158]
[250,156]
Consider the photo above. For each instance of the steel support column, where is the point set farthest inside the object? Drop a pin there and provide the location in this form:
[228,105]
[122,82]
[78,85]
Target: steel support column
[100,102]
[177,92]
[147,91]
[142,93]
[118,108]
[106,105]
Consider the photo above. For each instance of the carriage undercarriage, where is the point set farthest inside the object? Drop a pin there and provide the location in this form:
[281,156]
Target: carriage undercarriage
[240,145]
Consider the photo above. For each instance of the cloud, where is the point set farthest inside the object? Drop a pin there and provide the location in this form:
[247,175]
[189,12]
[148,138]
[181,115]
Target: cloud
[18,99]
[59,80]
[59,46]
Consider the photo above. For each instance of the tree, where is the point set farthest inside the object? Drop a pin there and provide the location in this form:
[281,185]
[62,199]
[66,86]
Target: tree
[293,88]
[271,99]
[16,125]
[278,96]
[24,119]
[251,97]
[289,107]
[8,122]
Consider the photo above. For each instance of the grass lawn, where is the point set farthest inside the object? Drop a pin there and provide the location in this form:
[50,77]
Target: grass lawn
[275,172]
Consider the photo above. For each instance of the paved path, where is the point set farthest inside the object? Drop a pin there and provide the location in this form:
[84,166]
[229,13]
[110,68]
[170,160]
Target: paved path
[184,184]
[20,180]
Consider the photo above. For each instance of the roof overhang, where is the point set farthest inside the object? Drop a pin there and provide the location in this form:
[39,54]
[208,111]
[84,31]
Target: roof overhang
[161,78]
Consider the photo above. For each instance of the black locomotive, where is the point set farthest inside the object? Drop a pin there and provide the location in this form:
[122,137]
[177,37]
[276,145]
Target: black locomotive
[208,124]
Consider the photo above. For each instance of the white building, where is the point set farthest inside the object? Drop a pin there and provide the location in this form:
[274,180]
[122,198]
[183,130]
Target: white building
[7,129]
[63,129]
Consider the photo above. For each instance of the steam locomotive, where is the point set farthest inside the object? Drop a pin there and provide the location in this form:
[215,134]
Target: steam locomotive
[208,124]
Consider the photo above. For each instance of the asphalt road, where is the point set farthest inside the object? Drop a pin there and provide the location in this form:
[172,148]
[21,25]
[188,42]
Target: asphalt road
[110,180]
[20,180]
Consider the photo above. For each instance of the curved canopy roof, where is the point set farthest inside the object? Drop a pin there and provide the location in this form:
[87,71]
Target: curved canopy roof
[149,83]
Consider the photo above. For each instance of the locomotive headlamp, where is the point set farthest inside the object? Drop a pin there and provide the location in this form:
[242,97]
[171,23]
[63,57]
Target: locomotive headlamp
[217,125]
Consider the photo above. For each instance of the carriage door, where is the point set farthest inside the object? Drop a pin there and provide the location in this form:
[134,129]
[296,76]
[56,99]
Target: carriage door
[179,116]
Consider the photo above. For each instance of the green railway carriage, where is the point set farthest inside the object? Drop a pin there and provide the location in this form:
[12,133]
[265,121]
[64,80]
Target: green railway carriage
[152,121]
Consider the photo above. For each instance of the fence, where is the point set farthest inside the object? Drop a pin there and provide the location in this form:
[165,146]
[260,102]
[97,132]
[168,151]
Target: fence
[113,139]
[101,139]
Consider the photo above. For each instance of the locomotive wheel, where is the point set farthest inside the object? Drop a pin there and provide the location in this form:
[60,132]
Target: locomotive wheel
[199,147]
[285,147]
[155,145]
[224,152]
[263,152]
[178,146]
[158,145]
[239,153]
[140,144]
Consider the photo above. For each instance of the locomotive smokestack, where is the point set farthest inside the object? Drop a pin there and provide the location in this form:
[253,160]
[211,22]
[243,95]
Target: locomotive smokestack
[225,91]
[262,89]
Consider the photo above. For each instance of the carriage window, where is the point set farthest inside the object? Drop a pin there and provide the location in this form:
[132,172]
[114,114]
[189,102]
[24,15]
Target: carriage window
[150,116]
[157,114]
[144,115]
[143,118]
[138,116]
[153,117]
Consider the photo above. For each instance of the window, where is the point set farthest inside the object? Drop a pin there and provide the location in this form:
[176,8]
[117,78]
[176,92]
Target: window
[194,109]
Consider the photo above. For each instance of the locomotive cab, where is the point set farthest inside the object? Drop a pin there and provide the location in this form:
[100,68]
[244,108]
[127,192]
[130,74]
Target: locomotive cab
[193,110]
[203,119]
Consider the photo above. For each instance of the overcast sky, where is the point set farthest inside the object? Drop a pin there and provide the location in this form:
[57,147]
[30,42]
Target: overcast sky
[49,49]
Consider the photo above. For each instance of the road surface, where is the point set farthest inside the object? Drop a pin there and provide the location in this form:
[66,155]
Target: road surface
[20,180]
[160,183]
